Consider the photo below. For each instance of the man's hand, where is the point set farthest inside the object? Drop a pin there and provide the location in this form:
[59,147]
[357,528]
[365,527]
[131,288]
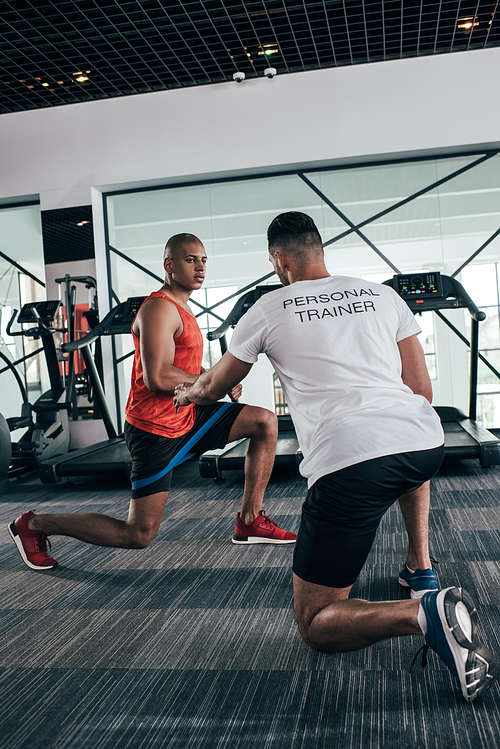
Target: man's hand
[236,392]
[180,397]
[224,378]
[181,394]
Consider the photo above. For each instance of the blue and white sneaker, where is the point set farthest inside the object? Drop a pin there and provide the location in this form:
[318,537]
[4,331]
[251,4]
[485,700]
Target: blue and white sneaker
[451,623]
[419,582]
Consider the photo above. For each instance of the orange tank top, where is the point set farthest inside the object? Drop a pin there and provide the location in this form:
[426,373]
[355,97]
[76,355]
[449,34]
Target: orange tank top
[154,412]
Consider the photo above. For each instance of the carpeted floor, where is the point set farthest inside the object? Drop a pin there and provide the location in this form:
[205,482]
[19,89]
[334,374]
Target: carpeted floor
[192,643]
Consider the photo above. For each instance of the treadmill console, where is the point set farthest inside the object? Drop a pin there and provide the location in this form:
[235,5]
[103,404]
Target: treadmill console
[419,285]
[261,290]
[47,311]
[248,300]
[432,291]
[120,319]
[131,308]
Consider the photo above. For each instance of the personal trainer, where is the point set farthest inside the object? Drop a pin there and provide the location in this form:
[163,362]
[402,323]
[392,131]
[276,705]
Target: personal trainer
[168,350]
[354,376]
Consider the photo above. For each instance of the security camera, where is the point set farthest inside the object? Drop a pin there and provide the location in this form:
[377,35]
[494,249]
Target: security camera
[238,77]
[270,72]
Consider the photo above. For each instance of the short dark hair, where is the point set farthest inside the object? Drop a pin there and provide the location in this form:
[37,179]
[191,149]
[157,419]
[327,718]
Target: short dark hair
[177,241]
[295,233]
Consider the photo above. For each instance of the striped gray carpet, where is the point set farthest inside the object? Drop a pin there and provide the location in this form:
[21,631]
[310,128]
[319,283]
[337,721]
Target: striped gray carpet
[192,643]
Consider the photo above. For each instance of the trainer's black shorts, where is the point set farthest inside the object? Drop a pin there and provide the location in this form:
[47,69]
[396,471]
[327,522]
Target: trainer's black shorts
[154,457]
[343,510]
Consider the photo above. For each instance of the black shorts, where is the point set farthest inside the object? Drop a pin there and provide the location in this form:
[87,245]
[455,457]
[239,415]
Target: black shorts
[343,510]
[154,457]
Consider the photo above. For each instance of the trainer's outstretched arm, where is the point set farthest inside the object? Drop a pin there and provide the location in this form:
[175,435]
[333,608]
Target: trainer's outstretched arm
[213,384]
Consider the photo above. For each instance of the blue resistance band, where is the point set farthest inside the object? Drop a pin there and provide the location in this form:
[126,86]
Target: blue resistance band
[184,453]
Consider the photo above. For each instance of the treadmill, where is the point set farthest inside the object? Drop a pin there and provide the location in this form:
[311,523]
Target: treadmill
[110,457]
[464,437]
[232,457]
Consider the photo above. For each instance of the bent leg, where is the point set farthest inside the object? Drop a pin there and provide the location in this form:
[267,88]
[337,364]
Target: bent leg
[137,532]
[329,621]
[415,508]
[420,467]
[261,426]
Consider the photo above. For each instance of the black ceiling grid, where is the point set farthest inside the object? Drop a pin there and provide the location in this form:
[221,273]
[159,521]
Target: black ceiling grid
[124,48]
[67,234]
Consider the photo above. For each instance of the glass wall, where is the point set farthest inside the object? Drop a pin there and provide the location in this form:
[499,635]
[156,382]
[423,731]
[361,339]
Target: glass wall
[21,281]
[483,282]
[375,221]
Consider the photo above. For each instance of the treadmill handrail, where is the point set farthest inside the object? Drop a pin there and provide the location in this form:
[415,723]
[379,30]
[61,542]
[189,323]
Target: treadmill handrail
[474,311]
[93,334]
[214,335]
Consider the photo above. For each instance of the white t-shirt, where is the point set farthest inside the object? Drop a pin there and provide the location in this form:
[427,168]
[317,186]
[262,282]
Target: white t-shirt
[333,344]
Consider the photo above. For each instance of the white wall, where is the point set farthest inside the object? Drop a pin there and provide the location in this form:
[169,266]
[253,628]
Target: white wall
[357,113]
[75,268]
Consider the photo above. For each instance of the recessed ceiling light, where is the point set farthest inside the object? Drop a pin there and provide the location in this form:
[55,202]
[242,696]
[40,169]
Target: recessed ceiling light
[467,23]
[268,49]
[80,76]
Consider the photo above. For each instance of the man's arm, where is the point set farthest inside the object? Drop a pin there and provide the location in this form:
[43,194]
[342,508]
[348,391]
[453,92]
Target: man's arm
[213,384]
[157,325]
[414,369]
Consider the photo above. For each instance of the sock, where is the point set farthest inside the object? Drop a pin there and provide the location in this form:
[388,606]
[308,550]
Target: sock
[422,619]
[412,572]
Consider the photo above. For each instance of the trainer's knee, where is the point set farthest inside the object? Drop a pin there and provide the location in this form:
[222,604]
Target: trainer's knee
[305,632]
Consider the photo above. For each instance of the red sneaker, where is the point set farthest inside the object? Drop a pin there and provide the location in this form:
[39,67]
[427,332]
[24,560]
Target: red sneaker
[263,530]
[32,545]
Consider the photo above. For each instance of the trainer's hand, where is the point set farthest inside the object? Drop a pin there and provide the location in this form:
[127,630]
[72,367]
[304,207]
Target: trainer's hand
[180,397]
[236,392]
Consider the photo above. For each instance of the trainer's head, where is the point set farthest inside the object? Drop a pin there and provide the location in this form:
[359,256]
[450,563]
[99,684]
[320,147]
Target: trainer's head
[295,235]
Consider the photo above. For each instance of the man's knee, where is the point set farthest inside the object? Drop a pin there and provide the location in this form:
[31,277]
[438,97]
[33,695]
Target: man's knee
[256,423]
[140,536]
[265,422]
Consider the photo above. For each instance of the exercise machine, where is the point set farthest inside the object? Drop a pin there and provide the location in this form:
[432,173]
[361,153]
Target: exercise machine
[10,425]
[79,318]
[49,434]
[110,456]
[464,437]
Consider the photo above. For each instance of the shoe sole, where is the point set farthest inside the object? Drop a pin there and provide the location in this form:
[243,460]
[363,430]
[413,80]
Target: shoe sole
[415,593]
[244,541]
[15,537]
[481,663]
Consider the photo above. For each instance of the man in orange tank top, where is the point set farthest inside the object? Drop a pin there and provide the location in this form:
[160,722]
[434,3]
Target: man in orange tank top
[168,351]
